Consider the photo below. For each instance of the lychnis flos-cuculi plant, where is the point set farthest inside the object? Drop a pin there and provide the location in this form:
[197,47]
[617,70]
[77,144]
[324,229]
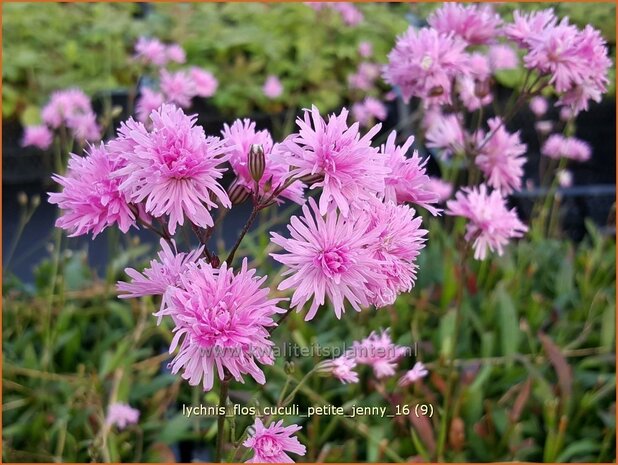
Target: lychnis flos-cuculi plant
[355,242]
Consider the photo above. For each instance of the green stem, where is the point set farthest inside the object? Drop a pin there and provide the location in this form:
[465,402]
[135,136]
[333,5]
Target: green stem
[223,391]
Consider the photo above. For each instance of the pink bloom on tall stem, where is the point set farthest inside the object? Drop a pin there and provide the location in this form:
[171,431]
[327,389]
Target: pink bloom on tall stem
[476,24]
[445,132]
[347,166]
[365,76]
[238,138]
[272,444]
[528,26]
[379,352]
[162,273]
[37,136]
[65,104]
[341,368]
[173,167]
[500,157]
[177,87]
[91,198]
[424,64]
[221,322]
[328,257]
[490,224]
[365,49]
[272,87]
[368,111]
[407,180]
[538,105]
[84,126]
[121,415]
[442,189]
[399,242]
[205,82]
[502,56]
[417,372]
[148,101]
[151,51]
[350,14]
[557,146]
[176,53]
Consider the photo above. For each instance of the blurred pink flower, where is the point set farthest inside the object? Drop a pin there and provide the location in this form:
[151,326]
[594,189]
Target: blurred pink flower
[367,111]
[566,113]
[557,146]
[176,53]
[538,105]
[151,51]
[417,372]
[442,189]
[407,181]
[205,82]
[37,136]
[502,56]
[327,257]
[490,224]
[565,178]
[177,87]
[272,87]
[365,49]
[500,157]
[84,126]
[476,24]
[424,64]
[341,368]
[365,76]
[271,445]
[238,138]
[544,127]
[121,415]
[91,198]
[173,167]
[221,322]
[64,104]
[148,101]
[379,352]
[399,242]
[350,14]
[348,167]
[161,274]
[527,26]
[445,132]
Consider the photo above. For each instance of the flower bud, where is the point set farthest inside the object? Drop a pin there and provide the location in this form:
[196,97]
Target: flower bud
[22,199]
[237,193]
[311,178]
[257,162]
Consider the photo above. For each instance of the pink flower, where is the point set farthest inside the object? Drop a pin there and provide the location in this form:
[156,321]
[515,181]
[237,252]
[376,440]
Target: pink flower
[544,127]
[65,104]
[121,415]
[84,126]
[557,146]
[399,242]
[221,323]
[365,76]
[349,13]
[565,178]
[347,166]
[476,24]
[500,157]
[566,113]
[341,368]
[502,56]
[473,87]
[91,199]
[151,51]
[491,224]
[445,133]
[327,257]
[538,105]
[528,26]
[424,64]
[379,352]
[238,138]
[368,110]
[272,87]
[173,167]
[407,181]
[161,274]
[365,49]
[204,81]
[270,444]
[177,87]
[442,189]
[148,101]
[176,53]
[38,136]
[417,372]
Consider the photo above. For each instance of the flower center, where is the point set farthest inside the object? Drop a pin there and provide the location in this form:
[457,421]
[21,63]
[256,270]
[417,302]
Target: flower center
[426,62]
[268,447]
[332,261]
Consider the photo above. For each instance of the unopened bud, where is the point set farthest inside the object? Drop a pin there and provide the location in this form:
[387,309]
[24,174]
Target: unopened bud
[22,199]
[35,201]
[257,162]
[311,178]
[482,89]
[289,368]
[237,193]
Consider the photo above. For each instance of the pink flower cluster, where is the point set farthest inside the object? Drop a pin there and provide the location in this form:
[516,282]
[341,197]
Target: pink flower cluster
[369,110]
[152,51]
[350,14]
[121,415]
[558,146]
[69,110]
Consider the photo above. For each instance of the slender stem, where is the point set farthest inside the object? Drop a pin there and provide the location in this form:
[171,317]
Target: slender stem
[245,230]
[223,390]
